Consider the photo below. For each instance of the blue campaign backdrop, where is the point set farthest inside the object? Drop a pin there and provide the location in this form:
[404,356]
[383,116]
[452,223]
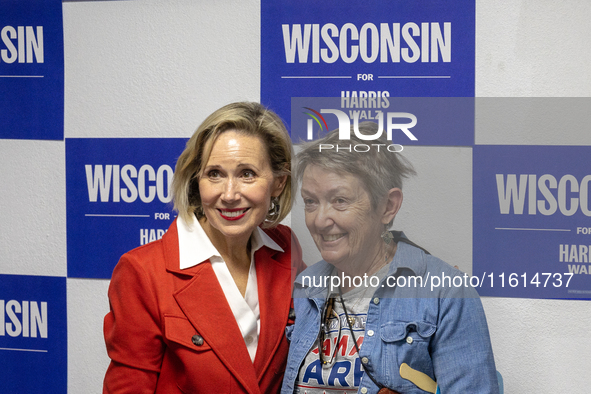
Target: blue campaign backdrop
[33,334]
[330,48]
[118,198]
[31,70]
[531,221]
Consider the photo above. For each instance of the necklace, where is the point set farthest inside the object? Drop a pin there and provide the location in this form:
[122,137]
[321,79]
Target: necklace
[362,296]
[388,256]
[369,375]
[364,292]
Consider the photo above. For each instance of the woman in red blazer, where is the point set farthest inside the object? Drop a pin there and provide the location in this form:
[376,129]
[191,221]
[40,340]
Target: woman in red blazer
[205,308]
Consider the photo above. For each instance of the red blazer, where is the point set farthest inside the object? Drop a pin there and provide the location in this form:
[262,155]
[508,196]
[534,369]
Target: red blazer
[157,309]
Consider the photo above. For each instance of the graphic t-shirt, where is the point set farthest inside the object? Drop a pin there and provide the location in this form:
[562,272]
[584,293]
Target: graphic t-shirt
[343,370]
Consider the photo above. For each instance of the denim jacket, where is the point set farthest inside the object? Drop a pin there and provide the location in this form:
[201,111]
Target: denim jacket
[440,331]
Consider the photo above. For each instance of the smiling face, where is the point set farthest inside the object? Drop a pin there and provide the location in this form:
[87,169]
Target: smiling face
[341,220]
[236,187]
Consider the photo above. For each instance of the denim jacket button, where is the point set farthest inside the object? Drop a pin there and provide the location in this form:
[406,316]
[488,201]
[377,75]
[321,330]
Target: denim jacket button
[364,360]
[370,333]
[409,340]
[364,390]
[376,300]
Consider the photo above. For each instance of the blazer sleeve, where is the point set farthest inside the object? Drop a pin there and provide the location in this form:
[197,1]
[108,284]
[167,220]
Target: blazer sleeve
[132,330]
[462,353]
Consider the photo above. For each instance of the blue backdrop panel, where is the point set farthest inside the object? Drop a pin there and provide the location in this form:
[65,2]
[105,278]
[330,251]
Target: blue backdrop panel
[31,69]
[532,221]
[33,334]
[395,48]
[118,198]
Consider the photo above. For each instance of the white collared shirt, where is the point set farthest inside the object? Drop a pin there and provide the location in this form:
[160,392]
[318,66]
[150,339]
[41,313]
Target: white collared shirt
[195,248]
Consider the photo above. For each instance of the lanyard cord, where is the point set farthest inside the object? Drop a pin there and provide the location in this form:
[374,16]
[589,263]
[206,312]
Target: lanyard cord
[380,386]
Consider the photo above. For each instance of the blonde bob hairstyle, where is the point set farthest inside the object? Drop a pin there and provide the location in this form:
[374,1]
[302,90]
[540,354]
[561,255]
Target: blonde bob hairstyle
[250,119]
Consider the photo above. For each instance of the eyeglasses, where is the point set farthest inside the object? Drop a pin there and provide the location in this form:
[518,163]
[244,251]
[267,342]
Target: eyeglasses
[327,313]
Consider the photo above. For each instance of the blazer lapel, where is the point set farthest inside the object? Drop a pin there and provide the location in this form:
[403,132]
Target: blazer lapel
[204,303]
[274,288]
